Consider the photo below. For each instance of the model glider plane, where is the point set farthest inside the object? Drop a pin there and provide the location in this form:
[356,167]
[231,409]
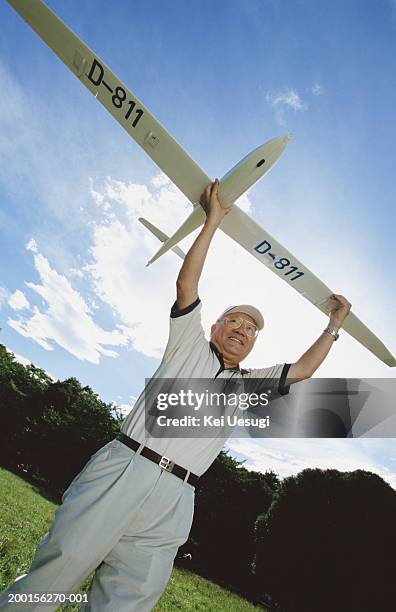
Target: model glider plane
[134,117]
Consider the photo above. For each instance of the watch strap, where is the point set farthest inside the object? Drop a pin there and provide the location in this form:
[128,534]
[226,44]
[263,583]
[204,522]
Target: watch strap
[333,332]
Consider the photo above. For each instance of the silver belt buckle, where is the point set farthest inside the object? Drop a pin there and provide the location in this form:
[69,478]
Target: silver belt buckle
[166,463]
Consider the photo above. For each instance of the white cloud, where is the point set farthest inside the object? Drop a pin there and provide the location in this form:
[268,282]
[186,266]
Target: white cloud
[140,297]
[96,196]
[289,456]
[73,272]
[120,248]
[3,296]
[287,100]
[290,99]
[317,89]
[31,245]
[160,180]
[124,409]
[66,320]
[18,301]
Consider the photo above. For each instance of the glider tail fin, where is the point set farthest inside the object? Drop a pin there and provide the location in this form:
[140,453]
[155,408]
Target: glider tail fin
[161,236]
[195,219]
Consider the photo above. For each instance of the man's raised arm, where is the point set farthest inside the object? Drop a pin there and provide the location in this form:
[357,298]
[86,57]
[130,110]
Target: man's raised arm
[315,355]
[190,272]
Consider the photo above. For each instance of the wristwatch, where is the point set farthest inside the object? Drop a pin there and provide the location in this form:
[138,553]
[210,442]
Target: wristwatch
[333,332]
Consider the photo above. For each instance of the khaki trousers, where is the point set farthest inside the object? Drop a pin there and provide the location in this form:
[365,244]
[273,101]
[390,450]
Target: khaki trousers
[122,516]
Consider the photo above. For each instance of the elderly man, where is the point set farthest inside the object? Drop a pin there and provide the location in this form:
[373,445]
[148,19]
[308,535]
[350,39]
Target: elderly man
[131,507]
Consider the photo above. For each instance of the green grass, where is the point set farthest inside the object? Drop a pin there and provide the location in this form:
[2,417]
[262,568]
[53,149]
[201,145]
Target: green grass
[25,515]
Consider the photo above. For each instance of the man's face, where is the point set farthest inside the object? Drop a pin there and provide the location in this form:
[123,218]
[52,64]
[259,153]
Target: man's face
[235,344]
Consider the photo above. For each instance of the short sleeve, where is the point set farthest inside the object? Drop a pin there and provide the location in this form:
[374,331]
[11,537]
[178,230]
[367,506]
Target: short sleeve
[185,329]
[276,376]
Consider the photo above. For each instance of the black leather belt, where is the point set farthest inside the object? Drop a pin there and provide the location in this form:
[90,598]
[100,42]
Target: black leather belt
[164,462]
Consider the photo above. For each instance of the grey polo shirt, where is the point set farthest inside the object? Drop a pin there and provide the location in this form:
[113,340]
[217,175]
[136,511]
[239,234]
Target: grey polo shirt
[188,354]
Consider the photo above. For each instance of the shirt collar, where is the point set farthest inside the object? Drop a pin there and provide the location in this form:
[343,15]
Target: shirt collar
[220,357]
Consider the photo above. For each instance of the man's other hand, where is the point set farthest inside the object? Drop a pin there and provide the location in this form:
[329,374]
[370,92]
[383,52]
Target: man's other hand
[338,314]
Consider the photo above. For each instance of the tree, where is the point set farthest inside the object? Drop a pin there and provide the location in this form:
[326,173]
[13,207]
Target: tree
[327,543]
[228,500]
[17,385]
[65,424]
[49,428]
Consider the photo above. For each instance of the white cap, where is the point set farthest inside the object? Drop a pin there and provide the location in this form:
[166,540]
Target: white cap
[246,309]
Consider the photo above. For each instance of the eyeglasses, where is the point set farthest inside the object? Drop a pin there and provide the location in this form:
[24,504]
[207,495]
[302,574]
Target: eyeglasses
[235,322]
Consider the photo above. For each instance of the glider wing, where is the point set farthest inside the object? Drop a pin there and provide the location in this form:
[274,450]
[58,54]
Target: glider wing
[259,243]
[114,95]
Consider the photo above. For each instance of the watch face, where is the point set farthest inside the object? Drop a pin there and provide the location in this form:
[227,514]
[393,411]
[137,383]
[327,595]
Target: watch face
[332,332]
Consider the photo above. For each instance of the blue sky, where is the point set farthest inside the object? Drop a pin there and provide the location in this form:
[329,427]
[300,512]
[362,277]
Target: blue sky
[222,77]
